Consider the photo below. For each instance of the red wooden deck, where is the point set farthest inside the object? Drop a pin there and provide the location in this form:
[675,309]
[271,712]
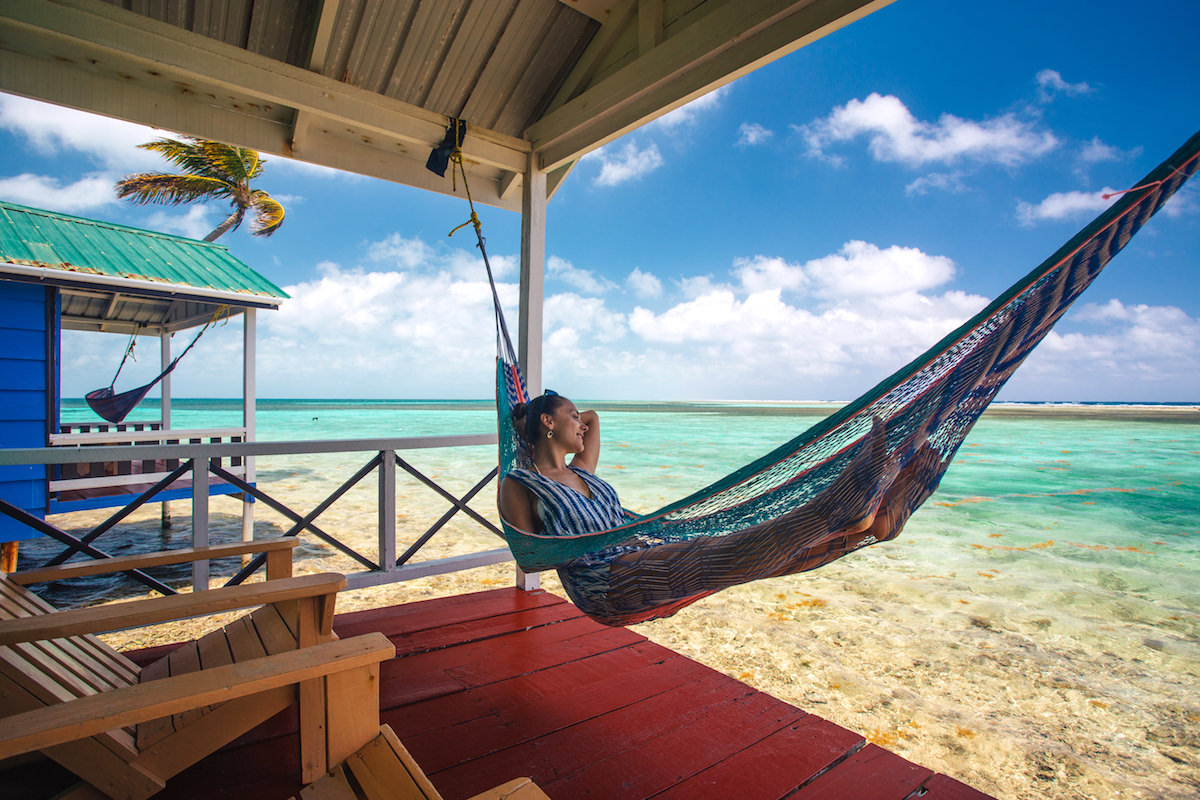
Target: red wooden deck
[496,685]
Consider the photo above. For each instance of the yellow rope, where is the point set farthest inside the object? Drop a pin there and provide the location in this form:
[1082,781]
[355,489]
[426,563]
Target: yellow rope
[456,160]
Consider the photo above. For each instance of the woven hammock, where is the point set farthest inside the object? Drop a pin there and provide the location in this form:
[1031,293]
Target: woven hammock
[851,480]
[113,406]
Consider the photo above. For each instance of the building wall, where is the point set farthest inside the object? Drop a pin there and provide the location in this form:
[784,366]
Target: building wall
[28,322]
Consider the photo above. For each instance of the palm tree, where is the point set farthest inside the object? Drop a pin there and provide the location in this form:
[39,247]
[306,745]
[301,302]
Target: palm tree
[211,170]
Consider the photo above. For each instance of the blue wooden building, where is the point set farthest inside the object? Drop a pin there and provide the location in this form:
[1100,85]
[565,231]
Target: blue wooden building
[62,272]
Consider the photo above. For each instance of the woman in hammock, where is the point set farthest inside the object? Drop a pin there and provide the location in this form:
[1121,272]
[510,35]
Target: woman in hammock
[555,497]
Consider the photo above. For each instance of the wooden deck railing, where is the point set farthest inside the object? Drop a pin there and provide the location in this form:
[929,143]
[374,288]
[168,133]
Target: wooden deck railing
[93,477]
[207,459]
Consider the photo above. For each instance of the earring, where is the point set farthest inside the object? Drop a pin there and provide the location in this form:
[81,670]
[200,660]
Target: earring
[549,434]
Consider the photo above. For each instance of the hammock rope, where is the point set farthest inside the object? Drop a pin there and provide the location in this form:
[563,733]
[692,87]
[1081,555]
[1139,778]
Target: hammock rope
[114,407]
[849,481]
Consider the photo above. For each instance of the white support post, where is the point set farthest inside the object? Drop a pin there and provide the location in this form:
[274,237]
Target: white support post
[249,400]
[387,510]
[164,339]
[200,521]
[533,274]
[165,384]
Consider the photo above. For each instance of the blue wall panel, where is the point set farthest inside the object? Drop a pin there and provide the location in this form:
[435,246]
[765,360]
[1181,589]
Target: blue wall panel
[25,346]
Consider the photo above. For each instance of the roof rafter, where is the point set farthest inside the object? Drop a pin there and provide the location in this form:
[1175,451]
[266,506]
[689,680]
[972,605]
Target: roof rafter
[97,57]
[732,39]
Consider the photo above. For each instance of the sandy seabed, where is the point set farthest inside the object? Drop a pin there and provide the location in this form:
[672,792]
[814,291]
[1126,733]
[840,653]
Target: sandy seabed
[971,675]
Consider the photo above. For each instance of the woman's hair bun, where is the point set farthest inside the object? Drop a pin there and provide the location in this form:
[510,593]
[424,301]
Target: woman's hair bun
[518,411]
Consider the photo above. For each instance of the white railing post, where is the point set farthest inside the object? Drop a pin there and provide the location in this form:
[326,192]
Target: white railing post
[387,510]
[249,401]
[200,520]
[165,408]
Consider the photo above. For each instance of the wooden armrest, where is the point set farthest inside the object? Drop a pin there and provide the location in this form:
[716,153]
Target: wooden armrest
[130,705]
[184,555]
[150,611]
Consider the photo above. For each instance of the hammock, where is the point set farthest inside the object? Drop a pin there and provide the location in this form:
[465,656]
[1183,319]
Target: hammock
[849,481]
[115,407]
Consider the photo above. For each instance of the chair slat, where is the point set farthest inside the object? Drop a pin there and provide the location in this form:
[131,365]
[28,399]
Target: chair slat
[272,630]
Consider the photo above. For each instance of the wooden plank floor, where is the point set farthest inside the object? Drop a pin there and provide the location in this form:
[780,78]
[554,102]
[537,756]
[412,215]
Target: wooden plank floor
[496,685]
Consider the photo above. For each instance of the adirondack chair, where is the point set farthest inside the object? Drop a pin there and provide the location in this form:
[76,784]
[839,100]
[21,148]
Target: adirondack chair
[124,730]
[384,770]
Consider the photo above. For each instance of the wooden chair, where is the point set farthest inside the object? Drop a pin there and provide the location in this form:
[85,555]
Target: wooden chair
[384,770]
[125,730]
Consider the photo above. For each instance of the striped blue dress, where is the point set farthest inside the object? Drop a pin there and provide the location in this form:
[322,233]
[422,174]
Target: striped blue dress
[565,511]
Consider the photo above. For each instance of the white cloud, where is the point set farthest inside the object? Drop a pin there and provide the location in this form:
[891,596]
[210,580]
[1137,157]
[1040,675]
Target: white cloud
[751,134]
[940,181]
[1050,83]
[644,284]
[861,311]
[50,129]
[1097,151]
[408,323]
[763,273]
[1185,201]
[895,135]
[194,223]
[1064,205]
[583,280]
[627,164]
[689,113]
[1150,350]
[41,191]
[861,269]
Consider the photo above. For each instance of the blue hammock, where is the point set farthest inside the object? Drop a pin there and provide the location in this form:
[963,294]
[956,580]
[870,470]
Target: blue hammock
[849,481]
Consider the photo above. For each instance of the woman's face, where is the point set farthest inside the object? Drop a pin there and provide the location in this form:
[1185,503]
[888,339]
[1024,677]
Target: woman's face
[568,430]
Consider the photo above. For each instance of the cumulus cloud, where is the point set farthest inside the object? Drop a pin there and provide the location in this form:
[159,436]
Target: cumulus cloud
[751,134]
[407,322]
[644,284]
[193,223]
[939,181]
[895,135]
[690,113]
[1064,205]
[583,280]
[41,191]
[1097,151]
[1153,348]
[49,129]
[1050,83]
[628,163]
[854,313]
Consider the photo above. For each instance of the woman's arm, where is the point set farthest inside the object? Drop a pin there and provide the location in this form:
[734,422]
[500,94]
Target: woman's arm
[516,506]
[590,457]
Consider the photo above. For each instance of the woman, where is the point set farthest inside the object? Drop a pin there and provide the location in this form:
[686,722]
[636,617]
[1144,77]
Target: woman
[555,497]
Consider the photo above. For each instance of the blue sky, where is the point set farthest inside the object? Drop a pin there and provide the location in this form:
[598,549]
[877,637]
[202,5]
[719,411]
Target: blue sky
[797,235]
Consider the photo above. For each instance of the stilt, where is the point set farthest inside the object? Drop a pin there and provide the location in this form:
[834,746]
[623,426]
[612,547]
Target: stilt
[8,557]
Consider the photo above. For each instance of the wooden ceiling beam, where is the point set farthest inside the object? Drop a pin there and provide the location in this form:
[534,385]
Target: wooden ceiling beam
[99,58]
[733,39]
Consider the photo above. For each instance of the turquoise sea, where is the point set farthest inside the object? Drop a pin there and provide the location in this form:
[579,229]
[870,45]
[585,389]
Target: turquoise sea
[1040,613]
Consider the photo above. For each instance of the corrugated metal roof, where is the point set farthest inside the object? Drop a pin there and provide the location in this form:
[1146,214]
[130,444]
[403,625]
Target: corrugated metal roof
[367,85]
[36,238]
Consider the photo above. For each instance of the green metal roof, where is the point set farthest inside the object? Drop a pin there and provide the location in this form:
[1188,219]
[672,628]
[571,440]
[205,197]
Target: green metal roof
[36,238]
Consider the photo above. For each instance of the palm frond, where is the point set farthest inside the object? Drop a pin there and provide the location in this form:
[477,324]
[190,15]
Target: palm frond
[172,190]
[187,154]
[268,213]
[235,164]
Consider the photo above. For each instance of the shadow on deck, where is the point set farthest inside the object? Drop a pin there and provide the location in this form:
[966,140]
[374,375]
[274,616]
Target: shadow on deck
[491,686]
